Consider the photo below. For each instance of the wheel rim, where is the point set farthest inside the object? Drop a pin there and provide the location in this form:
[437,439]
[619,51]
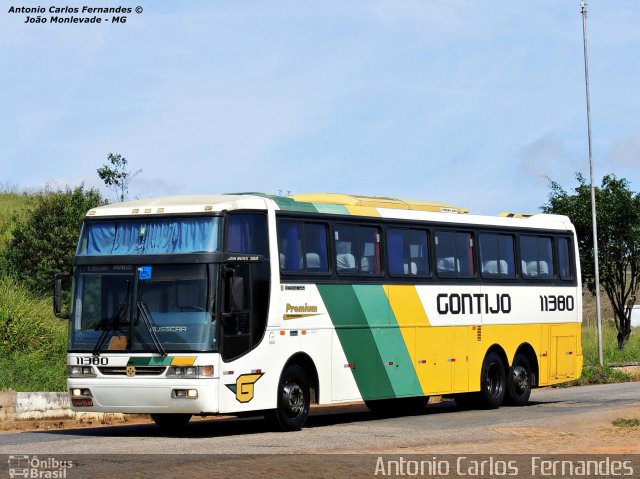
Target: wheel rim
[494,380]
[520,380]
[293,399]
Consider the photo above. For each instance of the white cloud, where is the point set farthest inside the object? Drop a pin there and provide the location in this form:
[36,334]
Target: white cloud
[626,151]
[539,156]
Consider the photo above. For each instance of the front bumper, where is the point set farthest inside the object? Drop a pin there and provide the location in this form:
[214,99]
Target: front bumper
[146,395]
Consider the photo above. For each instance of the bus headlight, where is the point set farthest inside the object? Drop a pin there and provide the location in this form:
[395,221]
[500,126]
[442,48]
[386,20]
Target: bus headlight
[81,372]
[78,392]
[190,372]
[184,393]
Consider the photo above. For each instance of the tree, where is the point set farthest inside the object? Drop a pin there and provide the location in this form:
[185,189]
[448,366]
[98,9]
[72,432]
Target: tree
[115,175]
[45,240]
[618,219]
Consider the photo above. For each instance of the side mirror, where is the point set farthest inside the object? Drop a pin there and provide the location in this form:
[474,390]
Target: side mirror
[57,295]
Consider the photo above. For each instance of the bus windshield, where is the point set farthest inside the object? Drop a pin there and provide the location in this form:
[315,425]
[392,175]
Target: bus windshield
[150,236]
[159,308]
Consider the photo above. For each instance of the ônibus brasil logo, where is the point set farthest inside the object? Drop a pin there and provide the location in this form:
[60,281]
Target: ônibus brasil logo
[35,467]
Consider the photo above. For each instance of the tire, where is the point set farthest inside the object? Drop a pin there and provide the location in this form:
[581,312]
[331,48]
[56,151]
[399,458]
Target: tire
[171,422]
[493,381]
[293,400]
[519,382]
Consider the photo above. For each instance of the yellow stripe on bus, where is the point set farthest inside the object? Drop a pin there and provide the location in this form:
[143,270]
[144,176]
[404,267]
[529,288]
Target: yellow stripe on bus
[362,210]
[411,318]
[183,361]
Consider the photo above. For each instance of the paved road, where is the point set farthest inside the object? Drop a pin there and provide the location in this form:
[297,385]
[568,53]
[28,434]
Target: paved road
[346,444]
[441,427]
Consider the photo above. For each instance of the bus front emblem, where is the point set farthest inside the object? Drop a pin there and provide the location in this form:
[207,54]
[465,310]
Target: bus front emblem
[131,370]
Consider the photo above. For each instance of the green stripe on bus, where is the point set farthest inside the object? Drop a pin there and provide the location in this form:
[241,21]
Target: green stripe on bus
[396,361]
[142,361]
[331,209]
[288,204]
[356,338]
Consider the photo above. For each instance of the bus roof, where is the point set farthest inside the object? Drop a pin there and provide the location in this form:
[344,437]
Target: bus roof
[327,203]
[181,205]
[378,202]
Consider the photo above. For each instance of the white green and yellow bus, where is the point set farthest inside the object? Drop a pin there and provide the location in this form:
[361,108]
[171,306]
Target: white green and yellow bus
[252,303]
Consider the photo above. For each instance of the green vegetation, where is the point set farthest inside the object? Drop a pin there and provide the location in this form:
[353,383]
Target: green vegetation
[592,372]
[610,351]
[116,176]
[32,341]
[618,215]
[596,374]
[44,241]
[15,207]
[38,233]
[626,422]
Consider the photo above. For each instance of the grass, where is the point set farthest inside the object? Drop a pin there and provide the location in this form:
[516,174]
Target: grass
[610,351]
[14,206]
[596,374]
[592,372]
[625,422]
[32,342]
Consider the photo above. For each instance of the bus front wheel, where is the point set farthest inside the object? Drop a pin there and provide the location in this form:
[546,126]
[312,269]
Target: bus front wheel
[293,400]
[492,381]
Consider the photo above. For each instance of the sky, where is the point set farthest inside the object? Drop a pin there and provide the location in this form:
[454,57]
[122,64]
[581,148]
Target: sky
[477,104]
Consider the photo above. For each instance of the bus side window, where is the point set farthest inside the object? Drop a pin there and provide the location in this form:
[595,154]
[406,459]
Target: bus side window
[302,247]
[358,249]
[346,247]
[564,259]
[290,246]
[247,233]
[454,254]
[315,248]
[408,252]
[536,254]
[497,256]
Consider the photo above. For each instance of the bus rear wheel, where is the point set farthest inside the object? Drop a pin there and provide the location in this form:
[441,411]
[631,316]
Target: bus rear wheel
[493,381]
[293,400]
[171,422]
[519,382]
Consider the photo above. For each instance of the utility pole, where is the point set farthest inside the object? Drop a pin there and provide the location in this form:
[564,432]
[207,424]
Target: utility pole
[593,190]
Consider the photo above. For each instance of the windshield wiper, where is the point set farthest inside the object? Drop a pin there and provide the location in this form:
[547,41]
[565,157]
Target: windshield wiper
[146,318]
[112,323]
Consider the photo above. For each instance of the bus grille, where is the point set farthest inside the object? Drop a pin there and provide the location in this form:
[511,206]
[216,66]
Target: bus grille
[140,370]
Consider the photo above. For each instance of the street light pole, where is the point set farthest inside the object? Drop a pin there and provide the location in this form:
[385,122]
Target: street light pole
[593,190]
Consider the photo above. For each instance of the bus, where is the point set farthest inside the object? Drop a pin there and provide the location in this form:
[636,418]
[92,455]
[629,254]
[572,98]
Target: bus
[251,303]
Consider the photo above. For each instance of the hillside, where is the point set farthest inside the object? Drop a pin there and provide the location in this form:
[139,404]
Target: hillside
[12,206]
[32,339]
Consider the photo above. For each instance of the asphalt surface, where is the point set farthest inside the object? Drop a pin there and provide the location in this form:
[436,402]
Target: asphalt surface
[439,427]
